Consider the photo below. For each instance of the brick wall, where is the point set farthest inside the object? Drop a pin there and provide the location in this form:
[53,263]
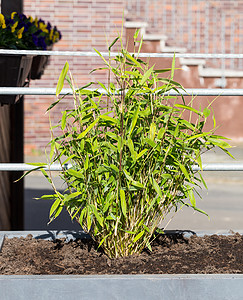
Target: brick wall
[194,24]
[84,25]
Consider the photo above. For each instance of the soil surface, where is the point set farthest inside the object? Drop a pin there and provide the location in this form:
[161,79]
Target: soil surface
[171,254]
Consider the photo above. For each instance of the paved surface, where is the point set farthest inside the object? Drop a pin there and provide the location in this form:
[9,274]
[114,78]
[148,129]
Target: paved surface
[223,201]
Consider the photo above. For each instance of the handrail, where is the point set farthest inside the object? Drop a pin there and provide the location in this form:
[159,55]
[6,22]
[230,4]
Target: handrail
[57,167]
[186,92]
[112,54]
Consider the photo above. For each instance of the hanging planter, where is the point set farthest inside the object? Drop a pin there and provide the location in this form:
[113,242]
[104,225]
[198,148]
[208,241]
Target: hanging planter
[39,63]
[38,66]
[15,70]
[20,32]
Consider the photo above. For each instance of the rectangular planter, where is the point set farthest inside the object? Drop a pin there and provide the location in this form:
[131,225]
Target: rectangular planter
[38,66]
[169,287]
[15,69]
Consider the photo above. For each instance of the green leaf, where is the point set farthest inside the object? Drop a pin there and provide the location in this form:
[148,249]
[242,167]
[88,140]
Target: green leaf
[97,215]
[191,197]
[83,134]
[152,131]
[173,67]
[123,202]
[206,112]
[110,119]
[161,133]
[113,43]
[136,34]
[158,71]
[138,236]
[184,171]
[218,142]
[54,207]
[64,119]
[146,76]
[134,120]
[75,173]
[157,188]
[61,79]
[141,153]
[133,182]
[86,163]
[188,108]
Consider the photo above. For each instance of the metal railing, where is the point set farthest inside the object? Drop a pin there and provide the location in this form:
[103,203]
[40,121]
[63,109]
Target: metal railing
[52,91]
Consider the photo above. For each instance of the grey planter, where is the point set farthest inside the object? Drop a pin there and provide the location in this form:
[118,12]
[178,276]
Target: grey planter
[169,287]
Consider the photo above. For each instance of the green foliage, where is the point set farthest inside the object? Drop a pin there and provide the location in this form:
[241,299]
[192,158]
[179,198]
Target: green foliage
[132,154]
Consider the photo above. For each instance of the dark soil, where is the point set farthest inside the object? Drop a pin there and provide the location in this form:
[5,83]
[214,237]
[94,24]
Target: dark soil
[171,254]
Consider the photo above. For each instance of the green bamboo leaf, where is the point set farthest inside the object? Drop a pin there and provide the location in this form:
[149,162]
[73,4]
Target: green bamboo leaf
[131,148]
[75,173]
[133,182]
[136,34]
[112,135]
[88,219]
[191,196]
[140,154]
[54,207]
[129,57]
[189,108]
[184,171]
[206,112]
[123,202]
[173,67]
[83,134]
[146,76]
[113,43]
[152,131]
[110,119]
[48,197]
[61,79]
[97,215]
[86,163]
[138,236]
[134,120]
[64,119]
[218,142]
[150,142]
[161,133]
[157,188]
[158,71]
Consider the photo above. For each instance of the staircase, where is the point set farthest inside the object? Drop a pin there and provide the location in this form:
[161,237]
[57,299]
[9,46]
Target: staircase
[196,73]
[202,74]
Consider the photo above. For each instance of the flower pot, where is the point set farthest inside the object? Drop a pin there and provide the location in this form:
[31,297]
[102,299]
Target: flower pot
[15,69]
[38,66]
[146,286]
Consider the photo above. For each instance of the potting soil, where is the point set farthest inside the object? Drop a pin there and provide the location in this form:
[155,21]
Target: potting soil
[171,254]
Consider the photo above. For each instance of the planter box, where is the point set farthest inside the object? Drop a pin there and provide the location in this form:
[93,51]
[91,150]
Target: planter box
[15,69]
[38,66]
[186,287]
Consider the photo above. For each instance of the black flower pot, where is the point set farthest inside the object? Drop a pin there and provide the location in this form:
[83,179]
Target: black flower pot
[15,69]
[38,66]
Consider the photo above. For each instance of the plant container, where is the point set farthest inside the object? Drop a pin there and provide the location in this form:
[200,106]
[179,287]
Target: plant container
[38,66]
[15,69]
[157,286]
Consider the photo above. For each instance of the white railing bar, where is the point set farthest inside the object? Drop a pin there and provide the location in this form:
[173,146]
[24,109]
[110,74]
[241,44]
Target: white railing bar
[58,167]
[112,54]
[52,91]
